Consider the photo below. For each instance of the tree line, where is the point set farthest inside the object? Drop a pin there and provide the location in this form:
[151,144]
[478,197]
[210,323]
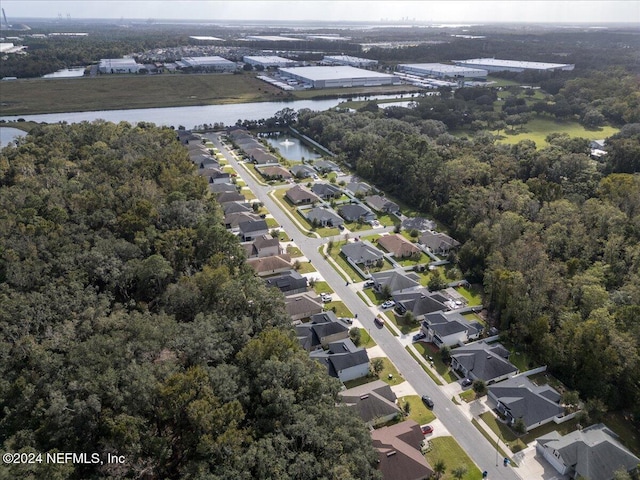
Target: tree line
[131,325]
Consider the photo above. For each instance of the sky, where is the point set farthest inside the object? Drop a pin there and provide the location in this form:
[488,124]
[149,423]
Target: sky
[449,11]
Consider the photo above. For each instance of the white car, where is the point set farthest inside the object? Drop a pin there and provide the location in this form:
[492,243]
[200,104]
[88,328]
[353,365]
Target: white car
[388,304]
[326,298]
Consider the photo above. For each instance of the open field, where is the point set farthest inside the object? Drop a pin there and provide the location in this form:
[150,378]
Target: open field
[31,96]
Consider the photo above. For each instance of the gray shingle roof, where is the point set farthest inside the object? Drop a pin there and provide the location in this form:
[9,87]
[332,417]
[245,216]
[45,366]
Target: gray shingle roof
[253,226]
[325,190]
[352,213]
[397,281]
[324,216]
[483,360]
[361,252]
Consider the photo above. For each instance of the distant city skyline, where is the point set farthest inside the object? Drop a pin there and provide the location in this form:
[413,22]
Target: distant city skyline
[436,11]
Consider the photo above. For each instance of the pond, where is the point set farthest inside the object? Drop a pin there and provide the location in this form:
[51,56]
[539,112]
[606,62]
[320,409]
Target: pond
[66,73]
[291,148]
[8,134]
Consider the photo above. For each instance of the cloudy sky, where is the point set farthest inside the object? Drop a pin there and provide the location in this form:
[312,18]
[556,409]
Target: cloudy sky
[456,11]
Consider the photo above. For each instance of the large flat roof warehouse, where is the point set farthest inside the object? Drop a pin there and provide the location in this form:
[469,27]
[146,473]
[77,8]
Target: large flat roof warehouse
[349,60]
[213,61]
[272,38]
[340,76]
[496,65]
[205,37]
[441,70]
[268,61]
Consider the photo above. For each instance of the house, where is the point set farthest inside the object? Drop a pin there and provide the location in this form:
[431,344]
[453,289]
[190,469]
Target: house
[420,224]
[449,329]
[236,207]
[396,281]
[374,402]
[326,191]
[217,176]
[398,246]
[358,188]
[519,398]
[419,303]
[399,452]
[382,204]
[302,305]
[299,195]
[207,161]
[234,219]
[288,282]
[438,243]
[481,361]
[343,360]
[225,197]
[356,212]
[222,187]
[362,253]
[252,229]
[323,217]
[592,453]
[270,265]
[262,246]
[274,172]
[325,166]
[186,136]
[323,329]
[302,171]
[260,157]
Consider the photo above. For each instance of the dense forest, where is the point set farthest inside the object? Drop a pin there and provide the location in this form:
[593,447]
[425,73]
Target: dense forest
[131,325]
[553,235]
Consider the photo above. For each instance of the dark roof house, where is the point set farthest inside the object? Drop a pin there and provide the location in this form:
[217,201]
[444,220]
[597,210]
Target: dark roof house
[270,265]
[323,217]
[481,361]
[420,224]
[374,402]
[358,188]
[419,303]
[439,243]
[252,229]
[302,171]
[343,360]
[398,282]
[302,305]
[326,190]
[449,329]
[355,212]
[362,253]
[323,329]
[300,195]
[398,246]
[382,204]
[519,398]
[288,282]
[326,166]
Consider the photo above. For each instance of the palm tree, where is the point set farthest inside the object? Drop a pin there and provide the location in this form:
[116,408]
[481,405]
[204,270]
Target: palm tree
[459,472]
[439,468]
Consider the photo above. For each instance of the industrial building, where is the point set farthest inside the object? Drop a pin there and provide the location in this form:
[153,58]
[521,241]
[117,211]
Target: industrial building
[496,65]
[341,76]
[349,60]
[215,63]
[119,65]
[269,61]
[440,70]
[271,38]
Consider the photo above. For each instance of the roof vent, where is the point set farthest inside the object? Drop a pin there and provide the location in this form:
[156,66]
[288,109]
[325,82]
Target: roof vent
[391,453]
[364,397]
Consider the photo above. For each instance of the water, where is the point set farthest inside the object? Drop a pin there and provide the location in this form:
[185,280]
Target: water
[290,148]
[66,73]
[7,134]
[189,117]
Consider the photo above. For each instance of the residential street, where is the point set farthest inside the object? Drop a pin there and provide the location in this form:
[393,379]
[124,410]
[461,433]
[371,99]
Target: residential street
[470,439]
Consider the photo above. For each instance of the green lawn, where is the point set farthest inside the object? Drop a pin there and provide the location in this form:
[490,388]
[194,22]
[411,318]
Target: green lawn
[372,295]
[389,369]
[360,381]
[322,287]
[388,220]
[400,322]
[468,395]
[442,369]
[341,309]
[426,369]
[505,433]
[490,439]
[623,426]
[272,222]
[473,294]
[340,260]
[418,412]
[249,195]
[447,450]
[365,339]
[306,267]
[541,126]
[294,251]
[282,235]
[422,259]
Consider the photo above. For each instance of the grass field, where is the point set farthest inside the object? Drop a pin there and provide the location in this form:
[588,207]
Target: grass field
[341,309]
[426,369]
[389,369]
[418,412]
[443,369]
[114,92]
[365,339]
[447,450]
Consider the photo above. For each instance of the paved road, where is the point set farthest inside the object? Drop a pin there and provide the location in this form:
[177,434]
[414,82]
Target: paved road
[470,439]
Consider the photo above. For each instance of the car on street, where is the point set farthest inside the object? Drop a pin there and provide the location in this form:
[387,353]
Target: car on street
[326,298]
[419,336]
[388,304]
[426,429]
[379,321]
[427,401]
[466,382]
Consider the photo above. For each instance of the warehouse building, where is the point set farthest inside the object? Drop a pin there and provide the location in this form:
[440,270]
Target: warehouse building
[269,61]
[440,70]
[341,76]
[496,65]
[215,63]
[349,60]
[119,65]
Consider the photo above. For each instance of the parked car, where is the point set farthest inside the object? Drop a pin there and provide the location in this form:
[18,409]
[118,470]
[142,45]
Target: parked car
[419,336]
[369,284]
[347,320]
[326,298]
[426,429]
[388,304]
[340,227]
[427,401]
[379,321]
[467,382]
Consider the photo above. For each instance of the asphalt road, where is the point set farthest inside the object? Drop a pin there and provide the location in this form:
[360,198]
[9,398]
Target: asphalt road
[470,439]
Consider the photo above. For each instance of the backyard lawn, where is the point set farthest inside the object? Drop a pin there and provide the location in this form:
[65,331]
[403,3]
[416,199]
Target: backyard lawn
[473,294]
[447,450]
